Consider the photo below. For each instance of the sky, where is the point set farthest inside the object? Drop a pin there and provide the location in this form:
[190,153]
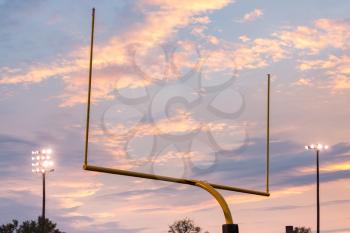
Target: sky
[178,89]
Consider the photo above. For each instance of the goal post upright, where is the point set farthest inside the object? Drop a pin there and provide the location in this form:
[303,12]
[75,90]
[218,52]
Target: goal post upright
[229,226]
[89,90]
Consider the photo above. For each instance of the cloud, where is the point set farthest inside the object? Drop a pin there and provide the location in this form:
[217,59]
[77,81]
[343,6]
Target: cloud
[76,215]
[303,82]
[325,33]
[251,16]
[114,63]
[292,207]
[20,193]
[158,25]
[183,5]
[11,139]
[258,53]
[336,68]
[26,207]
[201,20]
[244,38]
[333,167]
[286,165]
[286,177]
[13,151]
[10,206]
[72,194]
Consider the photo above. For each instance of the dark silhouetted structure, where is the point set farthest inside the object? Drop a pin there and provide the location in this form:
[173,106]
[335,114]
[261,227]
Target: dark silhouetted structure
[289,229]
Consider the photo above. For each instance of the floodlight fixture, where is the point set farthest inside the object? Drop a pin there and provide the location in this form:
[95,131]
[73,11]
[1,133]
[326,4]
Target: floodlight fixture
[42,164]
[318,147]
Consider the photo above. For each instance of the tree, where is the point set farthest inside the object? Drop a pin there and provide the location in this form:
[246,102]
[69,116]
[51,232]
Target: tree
[302,230]
[29,227]
[185,225]
[9,228]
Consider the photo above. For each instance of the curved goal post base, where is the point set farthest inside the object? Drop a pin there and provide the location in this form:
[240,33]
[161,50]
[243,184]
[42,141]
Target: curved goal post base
[230,228]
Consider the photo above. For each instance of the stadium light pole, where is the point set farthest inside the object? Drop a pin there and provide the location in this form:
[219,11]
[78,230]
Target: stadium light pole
[42,163]
[317,148]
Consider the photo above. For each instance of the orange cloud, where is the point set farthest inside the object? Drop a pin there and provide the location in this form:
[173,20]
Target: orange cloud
[113,60]
[256,54]
[117,136]
[193,6]
[334,167]
[303,82]
[345,166]
[201,20]
[158,25]
[244,38]
[336,67]
[325,33]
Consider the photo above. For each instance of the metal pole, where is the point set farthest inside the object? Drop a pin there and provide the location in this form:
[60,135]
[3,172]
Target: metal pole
[318,190]
[220,199]
[89,93]
[169,179]
[229,227]
[43,210]
[268,134]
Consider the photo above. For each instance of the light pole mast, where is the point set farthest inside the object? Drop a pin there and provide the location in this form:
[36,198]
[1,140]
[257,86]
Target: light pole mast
[44,200]
[317,148]
[318,189]
[42,163]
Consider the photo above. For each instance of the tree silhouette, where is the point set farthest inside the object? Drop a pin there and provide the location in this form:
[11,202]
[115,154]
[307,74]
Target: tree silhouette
[302,230]
[185,225]
[10,227]
[30,226]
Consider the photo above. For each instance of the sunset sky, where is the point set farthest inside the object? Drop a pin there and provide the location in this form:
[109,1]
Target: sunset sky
[179,89]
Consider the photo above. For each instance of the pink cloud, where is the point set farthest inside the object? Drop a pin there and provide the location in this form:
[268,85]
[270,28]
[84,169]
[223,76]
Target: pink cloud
[113,64]
[251,16]
[158,26]
[244,38]
[335,67]
[325,33]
